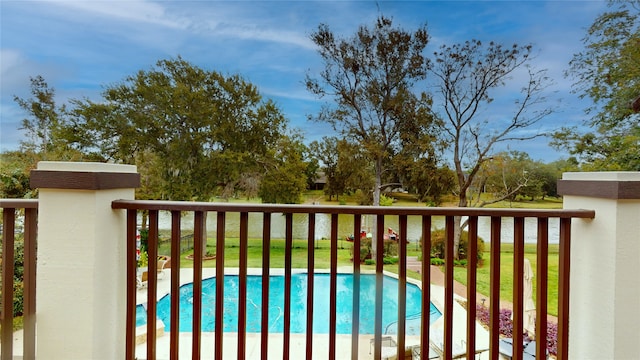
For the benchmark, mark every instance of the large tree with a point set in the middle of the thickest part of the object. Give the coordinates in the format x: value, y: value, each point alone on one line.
x: 205, y: 133
x: 346, y: 169
x: 47, y: 137
x: 467, y: 78
x: 370, y: 78
x: 607, y: 71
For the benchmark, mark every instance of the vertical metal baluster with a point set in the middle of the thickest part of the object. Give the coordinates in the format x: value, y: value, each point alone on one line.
x: 448, y: 287
x: 198, y: 254
x: 287, y: 285
x: 242, y: 283
x: 494, y: 292
x: 377, y: 351
x: 266, y: 257
x: 542, y: 275
x: 518, y: 286
x: 174, y: 316
x: 29, y: 280
x: 333, y: 286
x: 220, y: 240
x: 355, y: 330
x: 310, y: 282
x: 402, y: 285
x: 472, y: 265
x: 563, y: 288
x: 8, y: 254
x: 426, y: 286
x: 152, y: 283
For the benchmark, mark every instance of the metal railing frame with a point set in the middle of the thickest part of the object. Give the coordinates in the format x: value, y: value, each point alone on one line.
x: 221, y: 209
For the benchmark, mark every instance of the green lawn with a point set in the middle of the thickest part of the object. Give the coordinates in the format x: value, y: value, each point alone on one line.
x: 506, y: 274
x: 299, y: 255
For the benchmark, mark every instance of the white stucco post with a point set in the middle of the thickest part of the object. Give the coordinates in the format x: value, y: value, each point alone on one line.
x: 81, y: 272
x: 604, y: 319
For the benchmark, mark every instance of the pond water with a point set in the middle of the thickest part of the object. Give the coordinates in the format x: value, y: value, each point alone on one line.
x: 345, y: 226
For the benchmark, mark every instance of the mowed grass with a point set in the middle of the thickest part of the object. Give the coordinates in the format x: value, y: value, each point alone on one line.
x: 322, y: 249
x: 506, y: 274
x: 299, y: 255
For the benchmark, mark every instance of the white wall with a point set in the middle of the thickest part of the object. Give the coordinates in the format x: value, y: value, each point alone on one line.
x: 81, y: 275
x: 604, y: 320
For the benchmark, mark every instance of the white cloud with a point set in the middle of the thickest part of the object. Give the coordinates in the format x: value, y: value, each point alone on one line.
x: 131, y: 11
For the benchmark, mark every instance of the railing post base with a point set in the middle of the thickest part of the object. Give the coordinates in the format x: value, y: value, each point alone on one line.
x: 604, y: 319
x: 81, y: 276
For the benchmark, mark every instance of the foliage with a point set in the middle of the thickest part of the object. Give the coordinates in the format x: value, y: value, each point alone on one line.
x: 284, y: 182
x: 144, y: 239
x: 386, y: 201
x: 607, y: 72
x: 344, y: 164
x: 506, y: 327
x: 46, y: 138
x: 438, y: 245
x: 208, y: 132
x: 428, y: 181
x: 467, y: 76
x: 437, y: 261
x: 143, y: 260
x: 18, y: 277
x: 14, y: 176
x: 390, y: 250
x: 370, y: 78
x: 509, y: 175
x: 43, y: 125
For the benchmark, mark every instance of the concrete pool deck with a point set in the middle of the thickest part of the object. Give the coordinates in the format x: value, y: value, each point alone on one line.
x: 298, y: 341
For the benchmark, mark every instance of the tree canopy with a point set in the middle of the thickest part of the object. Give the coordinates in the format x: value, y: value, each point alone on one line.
x: 607, y: 71
x: 467, y: 77
x: 203, y: 133
x: 370, y: 77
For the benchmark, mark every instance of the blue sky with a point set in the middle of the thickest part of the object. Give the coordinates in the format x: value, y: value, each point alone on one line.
x: 81, y: 46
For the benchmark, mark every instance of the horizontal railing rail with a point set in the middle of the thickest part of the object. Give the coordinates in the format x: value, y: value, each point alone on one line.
x: 12, y: 210
x: 426, y: 215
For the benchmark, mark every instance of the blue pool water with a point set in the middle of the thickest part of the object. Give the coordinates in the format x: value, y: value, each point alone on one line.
x: 298, y: 305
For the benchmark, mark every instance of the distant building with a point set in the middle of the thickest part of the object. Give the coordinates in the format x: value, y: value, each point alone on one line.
x: 321, y: 181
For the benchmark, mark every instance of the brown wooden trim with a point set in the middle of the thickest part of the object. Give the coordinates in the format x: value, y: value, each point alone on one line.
x: 8, y: 253
x: 18, y: 203
x: 600, y: 189
x: 81, y: 180
x: 352, y: 210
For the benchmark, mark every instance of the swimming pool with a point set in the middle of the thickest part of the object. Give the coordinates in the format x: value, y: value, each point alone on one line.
x: 298, y: 304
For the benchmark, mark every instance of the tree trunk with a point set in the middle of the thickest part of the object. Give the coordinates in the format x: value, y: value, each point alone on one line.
x: 376, y: 202
x: 457, y: 223
x: 457, y: 233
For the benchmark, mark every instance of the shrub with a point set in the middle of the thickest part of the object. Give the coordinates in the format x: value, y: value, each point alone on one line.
x: 390, y: 260
x: 386, y: 201
x: 506, y: 327
x: 437, y: 261
x: 438, y: 245
x: 462, y: 262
